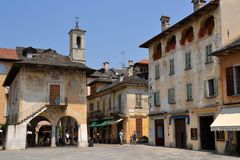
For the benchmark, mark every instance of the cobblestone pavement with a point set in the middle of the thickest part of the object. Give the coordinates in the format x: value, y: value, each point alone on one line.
x: 111, y: 152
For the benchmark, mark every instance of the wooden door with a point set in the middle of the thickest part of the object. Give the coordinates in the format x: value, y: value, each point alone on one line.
x: 139, y: 126
x: 159, y: 132
x: 206, y: 135
x: 180, y: 133
x: 54, y: 94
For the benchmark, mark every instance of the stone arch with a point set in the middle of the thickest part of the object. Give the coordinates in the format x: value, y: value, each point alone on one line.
x: 157, y: 52
x: 171, y: 43
x: 187, y: 35
x: 38, y: 131
x: 206, y: 26
x: 67, y: 131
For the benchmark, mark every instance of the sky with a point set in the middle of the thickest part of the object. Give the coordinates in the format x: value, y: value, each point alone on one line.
x: 115, y: 28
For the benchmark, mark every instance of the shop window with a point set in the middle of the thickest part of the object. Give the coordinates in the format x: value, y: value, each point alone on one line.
x: 220, y: 136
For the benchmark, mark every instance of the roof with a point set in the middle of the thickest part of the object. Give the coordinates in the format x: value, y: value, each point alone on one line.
x: 144, y: 61
x: 233, y: 46
x: 8, y: 54
x: 134, y: 79
x: 208, y: 7
x: 102, y: 79
x: 41, y: 58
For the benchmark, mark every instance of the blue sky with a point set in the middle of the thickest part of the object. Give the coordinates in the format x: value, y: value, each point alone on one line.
x: 115, y: 28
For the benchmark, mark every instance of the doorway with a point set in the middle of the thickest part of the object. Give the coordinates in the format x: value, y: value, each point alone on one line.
x: 238, y: 142
x: 159, y: 132
x: 207, y: 137
x: 180, y: 133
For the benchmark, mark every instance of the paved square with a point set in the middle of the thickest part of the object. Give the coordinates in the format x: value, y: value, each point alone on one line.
x: 111, y: 152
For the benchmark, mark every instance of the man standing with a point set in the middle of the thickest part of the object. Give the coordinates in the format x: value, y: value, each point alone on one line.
x: 121, y: 137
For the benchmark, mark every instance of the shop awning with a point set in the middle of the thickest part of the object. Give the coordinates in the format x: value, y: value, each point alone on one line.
x: 100, y: 124
x: 227, y: 120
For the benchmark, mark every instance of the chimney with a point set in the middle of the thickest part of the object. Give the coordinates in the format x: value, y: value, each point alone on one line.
x: 197, y: 4
x: 106, y: 66
x: 165, y: 20
x: 130, y: 71
x: 130, y: 63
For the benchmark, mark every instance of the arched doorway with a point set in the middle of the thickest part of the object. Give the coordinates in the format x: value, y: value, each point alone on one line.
x: 67, y: 132
x: 39, y: 132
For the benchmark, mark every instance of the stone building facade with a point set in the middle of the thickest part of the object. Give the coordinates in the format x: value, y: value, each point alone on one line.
x: 47, y: 97
x: 119, y: 102
x: 184, y: 77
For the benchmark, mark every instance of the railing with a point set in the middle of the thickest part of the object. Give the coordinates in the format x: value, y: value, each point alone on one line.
x: 27, y: 113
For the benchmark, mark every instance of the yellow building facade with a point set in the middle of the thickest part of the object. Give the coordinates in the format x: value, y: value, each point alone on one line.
x: 118, y: 105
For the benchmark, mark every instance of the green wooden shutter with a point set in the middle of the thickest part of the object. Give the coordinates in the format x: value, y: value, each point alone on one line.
x: 206, y: 88
x: 215, y: 82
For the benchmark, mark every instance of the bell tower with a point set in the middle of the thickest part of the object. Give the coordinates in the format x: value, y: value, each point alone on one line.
x: 77, y: 44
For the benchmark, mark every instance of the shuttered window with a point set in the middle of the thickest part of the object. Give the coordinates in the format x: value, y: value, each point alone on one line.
x: 188, y: 63
x: 157, y: 99
x: 230, y: 81
x: 189, y: 92
x: 237, y: 79
x: 171, y: 96
x: 233, y: 80
x: 211, y: 88
x: 138, y: 101
x: 120, y: 103
x: 208, y: 53
x: 171, y: 70
x: 157, y: 71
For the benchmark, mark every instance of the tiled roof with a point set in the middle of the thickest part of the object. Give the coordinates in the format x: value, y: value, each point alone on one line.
x: 144, y: 61
x: 8, y: 54
x: 134, y: 79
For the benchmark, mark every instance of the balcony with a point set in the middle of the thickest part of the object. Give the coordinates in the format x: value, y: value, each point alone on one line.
x: 56, y: 103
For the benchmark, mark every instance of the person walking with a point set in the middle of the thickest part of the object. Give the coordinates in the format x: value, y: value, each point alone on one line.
x: 134, y: 138
x: 121, y: 137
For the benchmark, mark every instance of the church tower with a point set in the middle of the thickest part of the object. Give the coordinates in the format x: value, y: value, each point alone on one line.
x: 77, y: 44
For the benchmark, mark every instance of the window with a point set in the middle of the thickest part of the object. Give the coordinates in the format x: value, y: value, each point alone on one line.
x: 138, y: 101
x: 3, y: 69
x: 157, y: 71
x: 54, y: 94
x: 171, y: 71
x: 91, y: 109
x: 233, y: 80
x: 211, y: 88
x: 98, y: 106
x: 189, y: 92
x: 78, y: 42
x: 157, y: 99
x: 104, y: 106
x: 220, y: 136
x: 171, y: 96
x: 120, y: 103
x: 188, y: 63
x: 139, y: 126
x: 109, y: 103
x: 208, y: 53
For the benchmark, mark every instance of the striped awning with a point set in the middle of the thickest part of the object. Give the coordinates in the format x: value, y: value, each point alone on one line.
x: 227, y: 120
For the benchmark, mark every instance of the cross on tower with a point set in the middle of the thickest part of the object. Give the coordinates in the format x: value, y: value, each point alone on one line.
x: 77, y: 22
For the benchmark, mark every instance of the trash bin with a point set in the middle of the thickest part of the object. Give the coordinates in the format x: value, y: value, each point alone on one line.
x: 90, y: 142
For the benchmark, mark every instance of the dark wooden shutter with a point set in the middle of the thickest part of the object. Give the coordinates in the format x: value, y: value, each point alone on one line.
x: 54, y: 94
x: 230, y: 81
x: 139, y: 126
